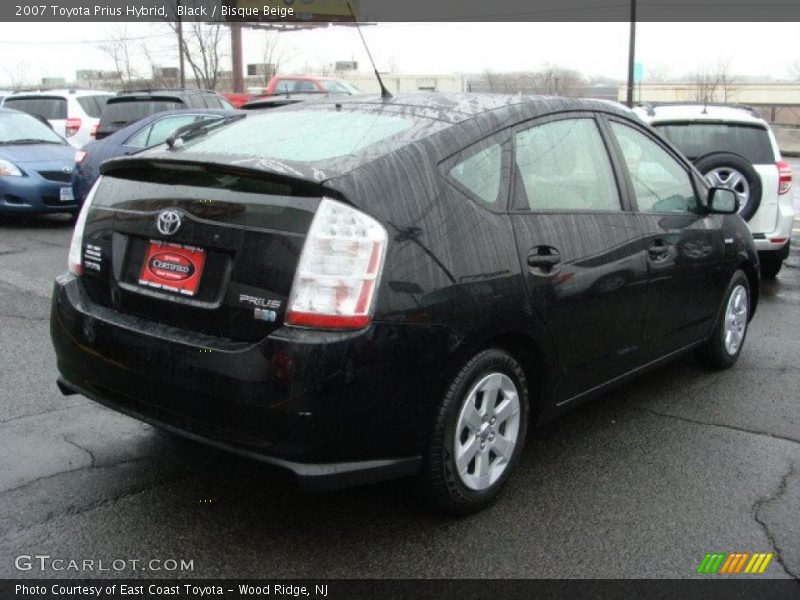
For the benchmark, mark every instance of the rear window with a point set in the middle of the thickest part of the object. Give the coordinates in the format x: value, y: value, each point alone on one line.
x: 93, y: 105
x: 52, y: 108
x: 121, y: 112
x: 698, y: 139
x: 309, y: 135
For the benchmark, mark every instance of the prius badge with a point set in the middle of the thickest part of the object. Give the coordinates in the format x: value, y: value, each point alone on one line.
x: 168, y: 221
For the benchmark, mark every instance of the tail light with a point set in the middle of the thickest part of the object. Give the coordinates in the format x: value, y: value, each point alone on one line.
x: 785, y: 177
x: 93, y: 131
x: 79, y: 156
x: 75, y: 261
x: 72, y: 126
x: 338, y: 271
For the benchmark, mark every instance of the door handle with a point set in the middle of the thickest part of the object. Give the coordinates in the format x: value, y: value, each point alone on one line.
x: 543, y: 257
x: 658, y: 250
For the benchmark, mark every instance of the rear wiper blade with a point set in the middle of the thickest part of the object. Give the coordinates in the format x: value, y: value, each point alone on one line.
x: 22, y: 141
x: 198, y: 128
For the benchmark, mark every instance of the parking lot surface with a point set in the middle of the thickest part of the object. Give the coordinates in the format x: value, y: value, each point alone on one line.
x: 642, y: 482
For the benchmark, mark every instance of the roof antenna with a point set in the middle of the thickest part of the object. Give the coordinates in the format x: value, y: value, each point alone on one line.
x: 385, y: 94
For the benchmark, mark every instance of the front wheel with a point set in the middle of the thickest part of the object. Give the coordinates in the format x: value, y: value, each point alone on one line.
x: 479, y: 433
x: 722, y: 349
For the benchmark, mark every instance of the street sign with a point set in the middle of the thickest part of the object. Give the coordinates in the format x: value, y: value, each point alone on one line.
x: 638, y: 72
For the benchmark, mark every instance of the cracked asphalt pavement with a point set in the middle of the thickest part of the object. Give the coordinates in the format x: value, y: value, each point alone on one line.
x: 641, y: 482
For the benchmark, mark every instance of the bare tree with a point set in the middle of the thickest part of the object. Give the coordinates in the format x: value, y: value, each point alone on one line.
x: 725, y: 79
x: 704, y: 86
x: 713, y: 84
x: 17, y: 74
x: 271, y: 54
x: 120, y: 50
x: 657, y: 74
x: 794, y: 71
x: 204, y: 50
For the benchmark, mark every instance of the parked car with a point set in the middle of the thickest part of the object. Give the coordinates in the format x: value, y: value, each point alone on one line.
x: 72, y: 113
x: 145, y: 133
x: 357, y: 289
x: 35, y: 166
x: 290, y: 84
x: 734, y: 147
x: 128, y: 107
x: 3, y: 94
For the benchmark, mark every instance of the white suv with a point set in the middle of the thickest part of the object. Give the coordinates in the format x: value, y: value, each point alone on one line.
x: 734, y: 147
x: 72, y: 113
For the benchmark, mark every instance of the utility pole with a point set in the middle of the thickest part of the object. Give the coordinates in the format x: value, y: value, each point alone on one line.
x: 236, y: 57
x: 182, y: 69
x: 631, y: 54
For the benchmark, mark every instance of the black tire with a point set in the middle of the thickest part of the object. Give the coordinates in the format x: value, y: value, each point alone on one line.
x: 713, y: 353
x: 441, y: 480
x: 721, y: 160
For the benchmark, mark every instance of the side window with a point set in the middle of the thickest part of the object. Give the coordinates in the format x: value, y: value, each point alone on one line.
x: 158, y: 132
x: 482, y: 174
x: 564, y: 165
x: 284, y: 85
x: 304, y: 86
x: 660, y: 182
x: 164, y: 127
x: 139, y: 139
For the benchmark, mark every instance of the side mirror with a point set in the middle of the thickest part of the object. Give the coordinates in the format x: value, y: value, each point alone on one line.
x: 722, y: 201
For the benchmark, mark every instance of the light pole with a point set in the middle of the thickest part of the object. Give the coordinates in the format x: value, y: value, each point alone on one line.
x: 631, y: 54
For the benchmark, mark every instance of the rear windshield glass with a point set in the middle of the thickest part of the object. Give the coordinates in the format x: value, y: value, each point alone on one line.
x: 119, y: 113
x: 52, y: 108
x: 307, y: 135
x: 698, y: 139
x: 93, y: 105
x: 22, y: 128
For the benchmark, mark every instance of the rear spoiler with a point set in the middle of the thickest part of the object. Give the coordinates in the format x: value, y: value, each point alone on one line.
x: 158, y: 169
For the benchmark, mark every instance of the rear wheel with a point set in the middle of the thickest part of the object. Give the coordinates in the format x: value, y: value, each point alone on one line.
x: 770, y: 267
x: 722, y: 349
x: 479, y: 433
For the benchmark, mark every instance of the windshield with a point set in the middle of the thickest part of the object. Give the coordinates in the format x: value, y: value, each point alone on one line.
x: 120, y: 113
x: 306, y: 135
x: 341, y: 87
x: 52, y: 108
x: 698, y: 139
x: 21, y: 128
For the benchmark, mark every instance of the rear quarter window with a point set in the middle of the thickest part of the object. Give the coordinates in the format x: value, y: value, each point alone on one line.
x: 696, y: 140
x: 93, y: 105
x: 52, y: 108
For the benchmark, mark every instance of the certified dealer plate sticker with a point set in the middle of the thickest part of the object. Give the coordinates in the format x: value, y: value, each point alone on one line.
x: 172, y: 267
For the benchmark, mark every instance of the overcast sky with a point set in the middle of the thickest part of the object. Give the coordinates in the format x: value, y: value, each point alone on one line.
x: 596, y: 49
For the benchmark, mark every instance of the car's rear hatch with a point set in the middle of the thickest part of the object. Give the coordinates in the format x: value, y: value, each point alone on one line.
x: 52, y: 108
x: 120, y: 111
x: 207, y: 248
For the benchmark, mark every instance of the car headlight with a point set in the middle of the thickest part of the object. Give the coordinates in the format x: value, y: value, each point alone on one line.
x: 9, y: 169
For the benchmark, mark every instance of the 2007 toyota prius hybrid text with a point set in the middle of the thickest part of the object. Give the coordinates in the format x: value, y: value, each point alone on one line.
x: 364, y: 288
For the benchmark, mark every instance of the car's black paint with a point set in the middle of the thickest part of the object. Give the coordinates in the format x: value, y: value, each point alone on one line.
x: 629, y: 290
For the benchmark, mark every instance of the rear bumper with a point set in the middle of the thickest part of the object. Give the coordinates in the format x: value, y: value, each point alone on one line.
x: 311, y: 476
x: 33, y: 195
x: 333, y: 409
x: 783, y: 228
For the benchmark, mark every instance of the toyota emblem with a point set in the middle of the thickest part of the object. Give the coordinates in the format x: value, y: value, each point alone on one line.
x: 67, y: 170
x: 168, y: 221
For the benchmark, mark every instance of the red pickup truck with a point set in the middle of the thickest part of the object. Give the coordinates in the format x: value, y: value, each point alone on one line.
x: 293, y: 84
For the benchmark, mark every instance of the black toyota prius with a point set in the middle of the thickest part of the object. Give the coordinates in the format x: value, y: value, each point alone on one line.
x: 366, y: 288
